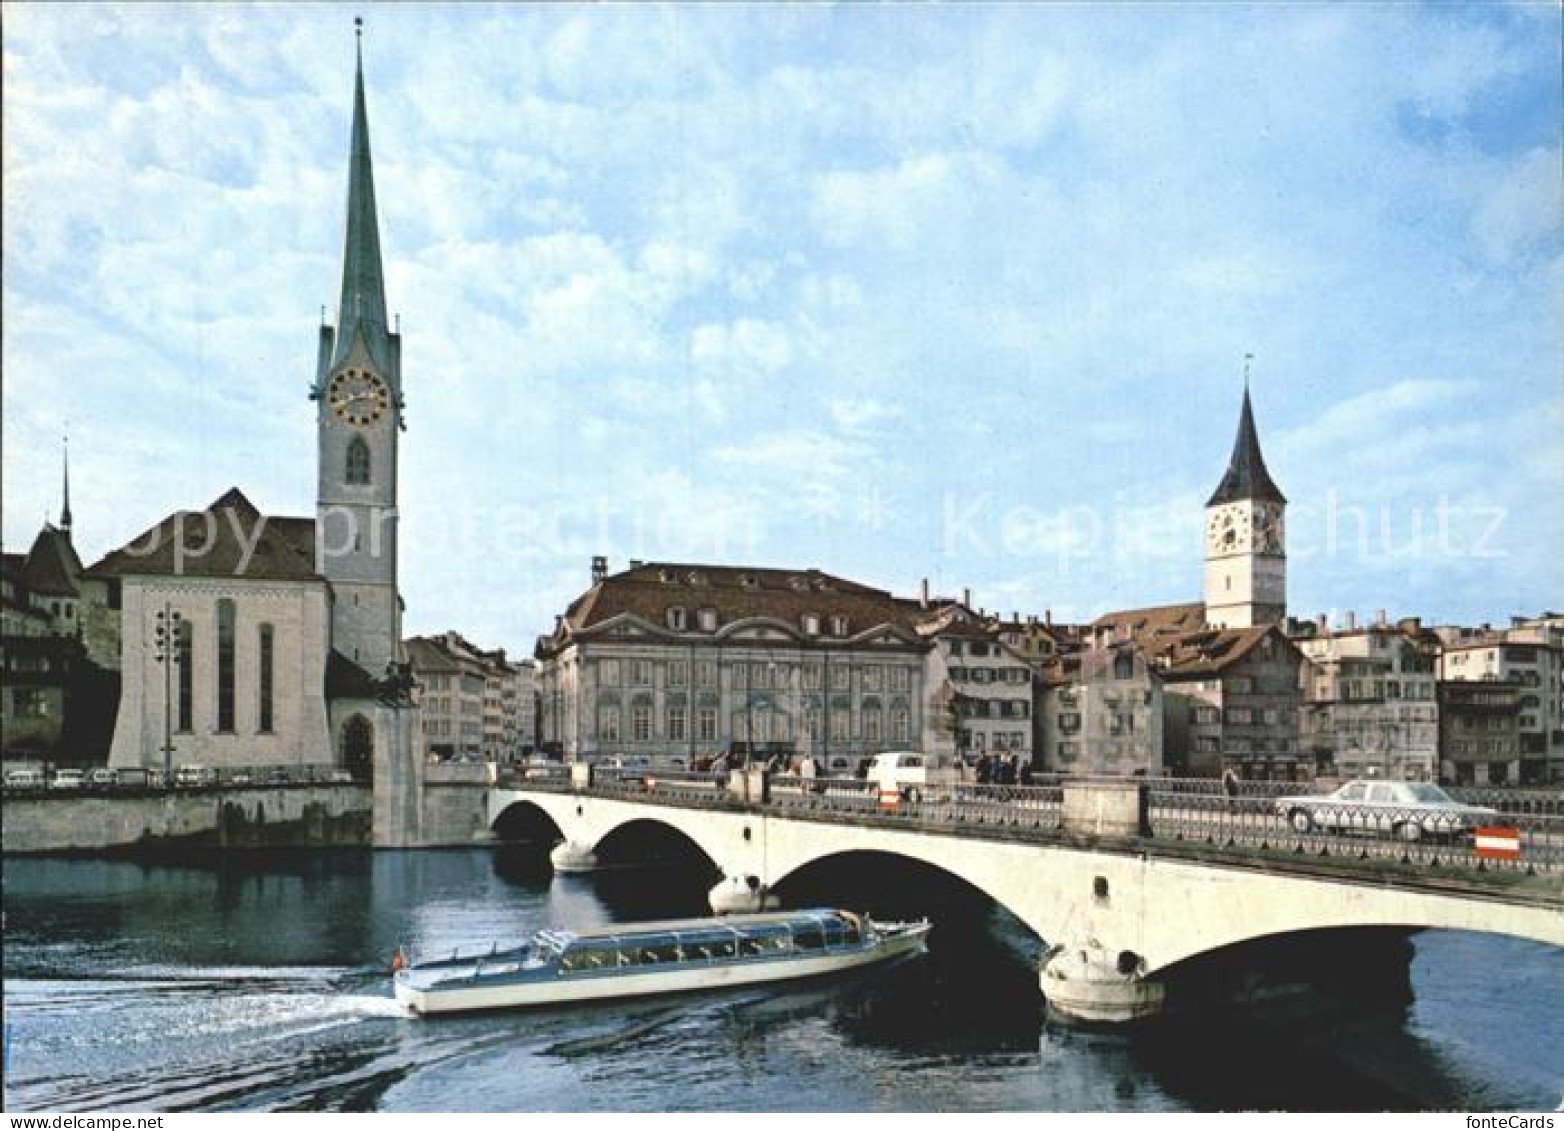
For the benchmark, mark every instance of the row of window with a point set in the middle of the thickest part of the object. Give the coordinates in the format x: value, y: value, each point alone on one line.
x: 994, y: 709
x: 759, y: 725
x: 991, y: 675
x: 706, y: 620
x: 755, y: 674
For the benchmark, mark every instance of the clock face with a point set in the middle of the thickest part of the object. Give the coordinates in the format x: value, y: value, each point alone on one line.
x: 358, y: 397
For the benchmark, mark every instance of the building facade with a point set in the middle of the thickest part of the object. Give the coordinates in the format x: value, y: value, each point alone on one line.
x: 1528, y: 656
x: 1369, y: 705
x: 1100, y: 711
x: 475, y: 703
x: 1479, y: 732
x: 680, y: 663
x: 981, y: 697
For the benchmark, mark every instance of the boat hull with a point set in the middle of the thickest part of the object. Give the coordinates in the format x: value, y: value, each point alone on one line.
x: 671, y: 979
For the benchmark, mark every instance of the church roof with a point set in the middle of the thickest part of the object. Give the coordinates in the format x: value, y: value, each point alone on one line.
x: 362, y: 306
x: 1246, y: 476
x: 346, y: 680
x: 230, y: 538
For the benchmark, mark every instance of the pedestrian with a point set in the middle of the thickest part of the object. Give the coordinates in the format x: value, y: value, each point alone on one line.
x: 1230, y: 788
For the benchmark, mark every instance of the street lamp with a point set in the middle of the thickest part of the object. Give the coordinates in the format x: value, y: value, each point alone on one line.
x: 165, y: 650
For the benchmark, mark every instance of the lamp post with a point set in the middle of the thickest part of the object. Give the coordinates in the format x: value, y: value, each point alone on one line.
x: 165, y: 650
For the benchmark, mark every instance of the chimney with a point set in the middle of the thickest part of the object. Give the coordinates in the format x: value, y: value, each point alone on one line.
x: 1379, y: 618
x: 966, y: 597
x: 1323, y: 621
x: 1352, y: 620
x: 1016, y: 617
x: 599, y: 569
x: 1048, y: 617
x: 923, y: 594
x: 636, y: 563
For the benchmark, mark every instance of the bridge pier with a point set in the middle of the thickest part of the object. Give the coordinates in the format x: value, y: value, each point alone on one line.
x: 1088, y: 982
x: 738, y: 893
x: 573, y: 856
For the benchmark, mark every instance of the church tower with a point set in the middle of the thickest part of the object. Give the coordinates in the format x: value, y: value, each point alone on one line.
x: 358, y: 394
x: 1246, y: 559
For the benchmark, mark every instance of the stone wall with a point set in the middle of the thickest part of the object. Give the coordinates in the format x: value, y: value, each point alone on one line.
x: 291, y: 817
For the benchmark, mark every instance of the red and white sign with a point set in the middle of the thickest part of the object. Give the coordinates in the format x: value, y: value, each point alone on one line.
x: 889, y: 796
x: 1494, y: 843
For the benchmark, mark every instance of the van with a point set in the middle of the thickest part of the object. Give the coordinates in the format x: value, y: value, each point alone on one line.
x: 101, y: 777
x: 24, y: 779
x: 913, y: 774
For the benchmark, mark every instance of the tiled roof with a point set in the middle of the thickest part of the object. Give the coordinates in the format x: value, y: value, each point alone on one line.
x: 1208, y: 651
x: 52, y: 568
x: 736, y: 593
x: 1155, y: 620
x: 216, y: 544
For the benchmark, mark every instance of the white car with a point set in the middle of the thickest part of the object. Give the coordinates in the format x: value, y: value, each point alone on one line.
x: 102, y: 777
x: 68, y: 779
x: 1409, y: 810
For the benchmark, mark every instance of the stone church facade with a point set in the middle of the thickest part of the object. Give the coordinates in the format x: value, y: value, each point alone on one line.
x: 249, y: 639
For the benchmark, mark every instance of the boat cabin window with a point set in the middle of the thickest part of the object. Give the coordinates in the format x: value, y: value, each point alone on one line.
x: 808, y: 936
x: 667, y: 952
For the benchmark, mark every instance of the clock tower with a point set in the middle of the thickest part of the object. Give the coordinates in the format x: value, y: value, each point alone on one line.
x: 1246, y: 559
x: 358, y: 395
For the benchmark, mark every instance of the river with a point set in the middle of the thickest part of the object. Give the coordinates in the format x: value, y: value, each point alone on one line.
x: 258, y: 983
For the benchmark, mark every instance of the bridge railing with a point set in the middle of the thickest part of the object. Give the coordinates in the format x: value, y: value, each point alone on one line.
x: 1408, y: 835
x: 1192, y: 811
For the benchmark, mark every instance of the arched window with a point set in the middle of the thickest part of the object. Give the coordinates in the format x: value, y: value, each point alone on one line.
x: 358, y: 461
x: 266, y: 646
x: 358, y: 745
x: 225, y: 665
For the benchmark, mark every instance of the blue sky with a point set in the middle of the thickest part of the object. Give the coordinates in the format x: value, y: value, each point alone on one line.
x: 960, y: 292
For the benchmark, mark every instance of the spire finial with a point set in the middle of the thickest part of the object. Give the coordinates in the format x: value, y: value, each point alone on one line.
x: 65, y: 467
x: 1248, y: 357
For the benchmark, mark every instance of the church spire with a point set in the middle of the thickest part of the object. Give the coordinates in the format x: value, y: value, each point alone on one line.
x: 362, y: 308
x: 1246, y: 476
x: 65, y: 467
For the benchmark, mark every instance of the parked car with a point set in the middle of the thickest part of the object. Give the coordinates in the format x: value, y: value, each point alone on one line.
x: 277, y: 775
x: 101, y: 777
x: 339, y: 777
x: 1409, y: 810
x: 240, y: 777
x: 68, y: 779
x: 24, y: 779
x: 913, y: 773
x: 192, y: 776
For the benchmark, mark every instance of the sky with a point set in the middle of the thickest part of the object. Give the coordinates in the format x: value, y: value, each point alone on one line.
x: 897, y: 292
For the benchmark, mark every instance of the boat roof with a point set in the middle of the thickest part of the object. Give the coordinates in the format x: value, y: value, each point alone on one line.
x: 735, y: 924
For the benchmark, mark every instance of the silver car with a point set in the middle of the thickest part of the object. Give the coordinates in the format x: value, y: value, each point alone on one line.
x: 1408, y: 810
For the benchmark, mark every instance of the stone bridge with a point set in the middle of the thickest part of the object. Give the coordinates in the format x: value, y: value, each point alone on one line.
x: 1116, y: 907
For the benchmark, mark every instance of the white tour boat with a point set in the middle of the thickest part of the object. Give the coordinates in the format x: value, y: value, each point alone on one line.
x: 638, y: 959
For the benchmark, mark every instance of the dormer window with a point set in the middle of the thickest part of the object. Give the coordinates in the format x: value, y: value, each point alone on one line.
x: 695, y: 577
x: 667, y: 576
x: 708, y: 620
x: 798, y: 584
x: 838, y: 626
x: 811, y: 624
x: 676, y: 618
x: 749, y: 581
